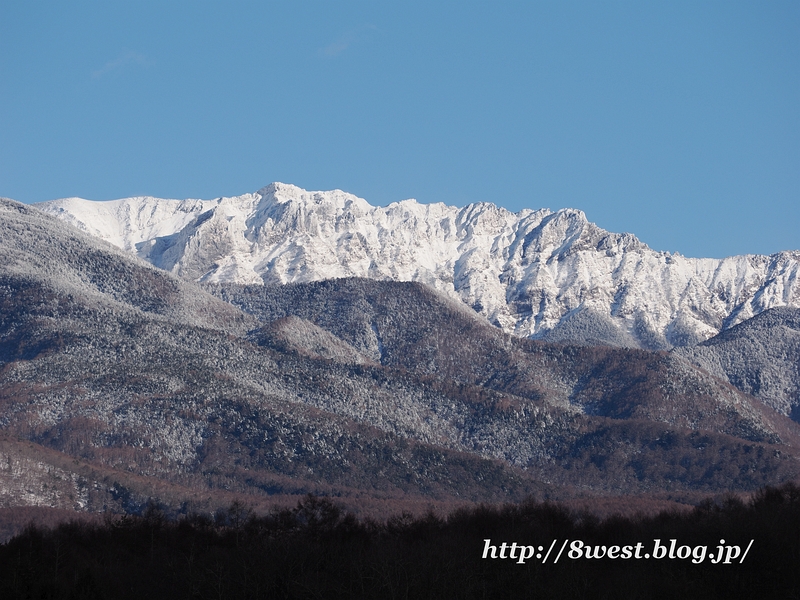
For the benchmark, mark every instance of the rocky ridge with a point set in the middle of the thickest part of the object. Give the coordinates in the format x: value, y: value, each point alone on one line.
x: 535, y: 273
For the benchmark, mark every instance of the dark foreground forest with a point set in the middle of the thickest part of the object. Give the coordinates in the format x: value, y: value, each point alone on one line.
x: 316, y: 550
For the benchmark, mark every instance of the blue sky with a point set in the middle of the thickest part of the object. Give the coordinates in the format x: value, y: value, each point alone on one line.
x: 676, y: 121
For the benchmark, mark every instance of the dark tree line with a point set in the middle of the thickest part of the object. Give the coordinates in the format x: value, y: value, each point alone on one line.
x: 317, y: 550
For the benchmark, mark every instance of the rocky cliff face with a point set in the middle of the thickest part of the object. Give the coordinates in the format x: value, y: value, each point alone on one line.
x: 540, y: 274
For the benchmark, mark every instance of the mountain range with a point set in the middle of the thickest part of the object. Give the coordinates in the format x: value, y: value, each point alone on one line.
x: 535, y: 273
x: 286, y: 342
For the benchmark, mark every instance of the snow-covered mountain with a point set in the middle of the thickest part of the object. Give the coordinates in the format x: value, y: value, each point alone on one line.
x: 122, y: 383
x: 544, y: 274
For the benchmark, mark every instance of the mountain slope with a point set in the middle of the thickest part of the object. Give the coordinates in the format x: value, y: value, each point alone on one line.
x: 534, y: 273
x: 411, y: 327
x: 88, y: 273
x: 760, y: 357
x: 164, y: 388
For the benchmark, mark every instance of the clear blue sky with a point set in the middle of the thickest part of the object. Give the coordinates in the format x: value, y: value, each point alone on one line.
x: 676, y: 121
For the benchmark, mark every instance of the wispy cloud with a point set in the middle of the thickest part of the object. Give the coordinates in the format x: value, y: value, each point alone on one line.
x: 345, y: 41
x: 129, y: 58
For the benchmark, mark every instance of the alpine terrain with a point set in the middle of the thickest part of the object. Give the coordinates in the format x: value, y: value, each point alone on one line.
x: 263, y: 347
